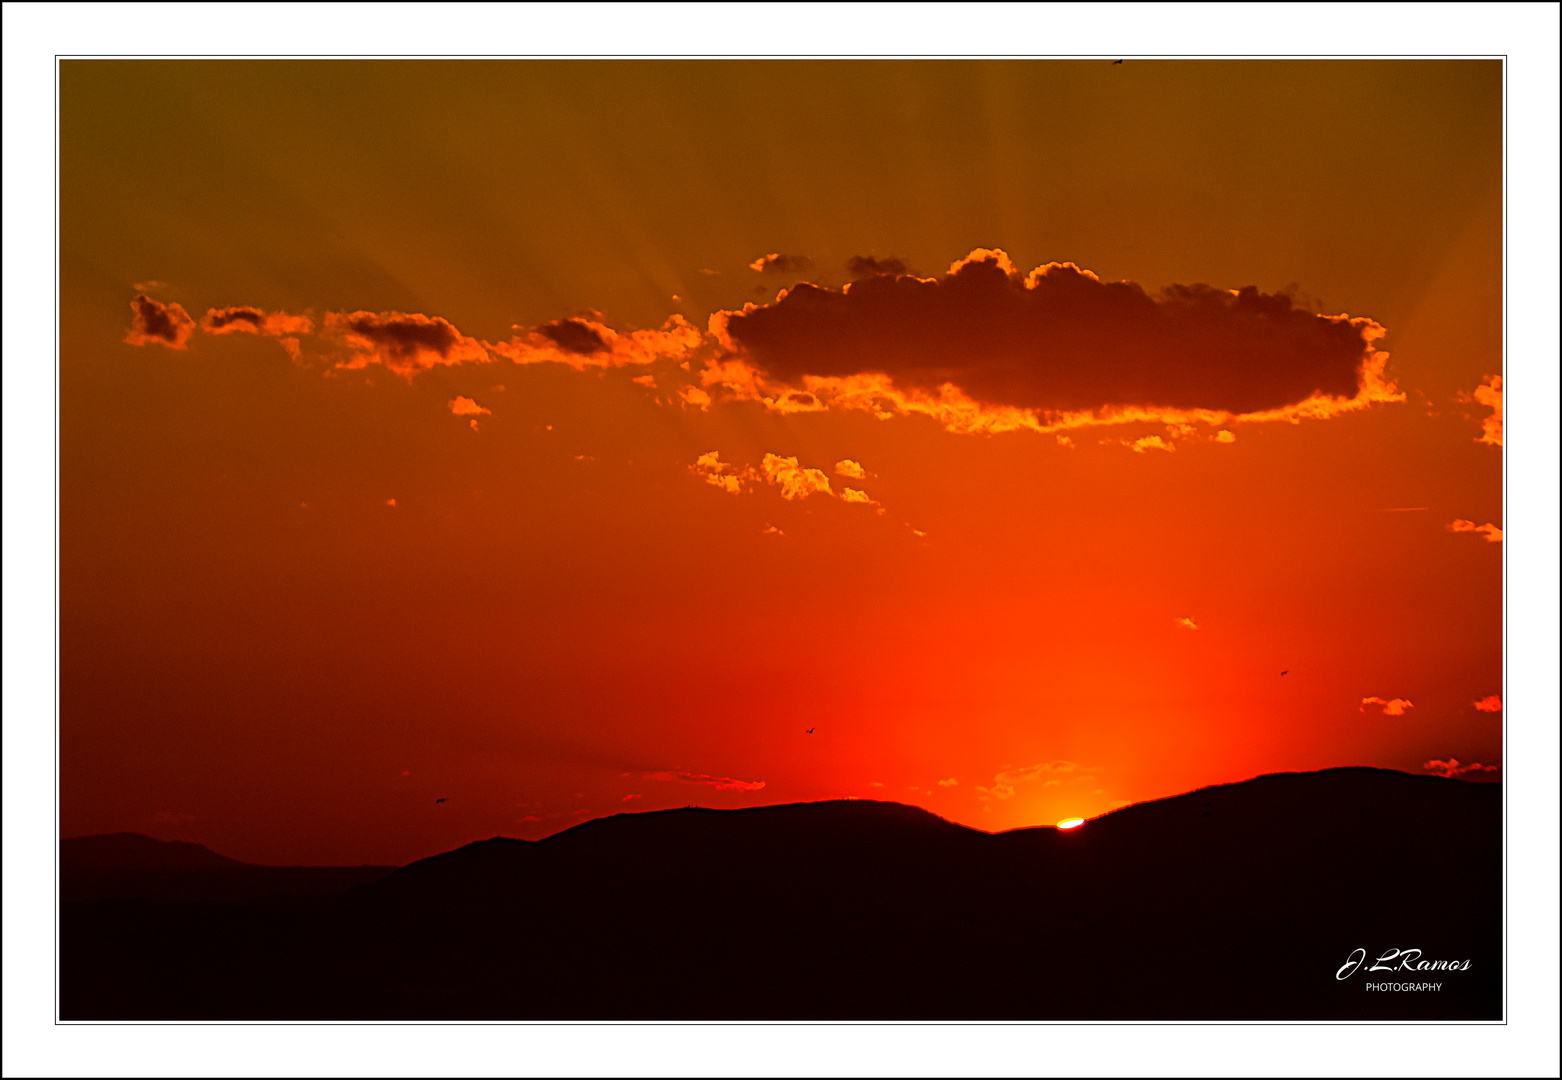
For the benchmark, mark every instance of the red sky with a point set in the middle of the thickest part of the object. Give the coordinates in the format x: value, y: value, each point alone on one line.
x: 416, y: 442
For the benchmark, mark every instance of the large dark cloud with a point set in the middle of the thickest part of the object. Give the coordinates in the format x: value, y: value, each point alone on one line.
x: 161, y: 324
x: 573, y: 336
x: 1059, y: 339
x: 866, y: 266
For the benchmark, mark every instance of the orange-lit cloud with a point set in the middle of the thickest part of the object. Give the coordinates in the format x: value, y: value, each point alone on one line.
x: 252, y: 320
x: 1187, y: 623
x: 693, y: 395
x: 153, y: 323
x: 730, y: 478
x: 850, y: 468
x: 1451, y: 768
x: 720, y: 783
x: 852, y: 495
x: 951, y: 782
x: 1391, y: 707
x: 586, y: 343
x: 465, y: 406
x: 1493, y: 533
x: 795, y: 481
x: 1005, y: 782
x: 867, y: 266
x: 776, y: 263
x: 403, y: 343
x: 1489, y: 393
x: 1225, y: 436
x: 1059, y: 342
x: 1489, y: 704
x: 1149, y: 442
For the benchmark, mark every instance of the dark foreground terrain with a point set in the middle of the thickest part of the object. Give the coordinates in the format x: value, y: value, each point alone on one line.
x: 1234, y: 902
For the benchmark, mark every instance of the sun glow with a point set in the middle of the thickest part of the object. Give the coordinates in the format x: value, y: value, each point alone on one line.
x: 1071, y: 823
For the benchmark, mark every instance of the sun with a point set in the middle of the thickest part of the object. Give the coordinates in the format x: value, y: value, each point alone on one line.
x: 1071, y: 823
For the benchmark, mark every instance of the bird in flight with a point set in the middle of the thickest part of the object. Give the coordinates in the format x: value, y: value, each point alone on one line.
x: 439, y: 800
x: 1285, y: 672
x: 810, y: 731
x: 1117, y: 61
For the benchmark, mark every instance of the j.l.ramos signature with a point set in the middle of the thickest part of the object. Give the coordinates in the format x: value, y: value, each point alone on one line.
x: 1408, y: 960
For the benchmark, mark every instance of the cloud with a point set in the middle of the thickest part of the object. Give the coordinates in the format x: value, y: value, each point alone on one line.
x: 465, y: 406
x: 986, y: 349
x: 853, y: 469
x: 168, y: 325
x: 1392, y: 707
x: 860, y: 266
x: 1489, y: 704
x: 951, y: 782
x: 1493, y: 534
x: 852, y: 495
x: 693, y: 395
x: 1489, y: 393
x: 795, y: 481
x: 587, y: 343
x: 1451, y: 768
x: 720, y: 783
x: 627, y: 798
x: 730, y: 478
x: 1225, y: 436
x: 776, y: 263
x: 1187, y: 623
x: 403, y: 343
x: 1005, y: 782
x: 1149, y: 442
x: 252, y: 320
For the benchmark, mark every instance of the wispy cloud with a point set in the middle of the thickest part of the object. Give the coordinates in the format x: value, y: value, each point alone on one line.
x: 1391, y: 706
x: 720, y: 783
x: 1489, y: 704
x: 1451, y: 768
x: 1493, y: 533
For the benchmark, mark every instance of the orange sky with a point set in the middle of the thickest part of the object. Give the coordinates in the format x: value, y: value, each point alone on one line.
x: 388, y: 395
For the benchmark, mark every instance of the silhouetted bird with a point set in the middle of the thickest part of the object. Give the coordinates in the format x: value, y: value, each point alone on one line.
x: 439, y: 800
x: 1117, y: 61
x: 1285, y: 673
x: 810, y: 731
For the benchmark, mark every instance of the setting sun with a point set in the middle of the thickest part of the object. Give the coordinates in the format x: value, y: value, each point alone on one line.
x: 1071, y: 823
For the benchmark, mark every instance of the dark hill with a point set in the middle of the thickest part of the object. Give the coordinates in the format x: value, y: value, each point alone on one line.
x: 1234, y: 902
x: 129, y: 866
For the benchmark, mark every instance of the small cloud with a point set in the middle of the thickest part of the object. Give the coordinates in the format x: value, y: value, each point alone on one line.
x: 390, y: 502
x: 1225, y: 436
x: 168, y: 325
x: 530, y: 817
x: 1005, y: 782
x: 1187, y: 623
x: 1064, y: 440
x: 852, y: 495
x: 771, y: 530
x: 149, y: 286
x: 951, y: 782
x: 710, y: 468
x: 406, y: 343
x: 1489, y: 393
x: 645, y: 380
x: 1489, y: 704
x: 874, y: 783
x: 709, y: 272
x: 693, y: 395
x: 860, y: 266
x: 795, y: 481
x: 252, y: 320
x: 1451, y: 768
x: 574, y: 336
x: 915, y: 531
x: 720, y: 783
x: 465, y: 406
x: 1149, y: 442
x: 1493, y: 534
x: 853, y: 469
x: 1391, y: 707
x: 627, y: 798
x: 776, y: 263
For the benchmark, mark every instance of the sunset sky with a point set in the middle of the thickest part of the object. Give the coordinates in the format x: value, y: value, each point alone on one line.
x: 561, y: 438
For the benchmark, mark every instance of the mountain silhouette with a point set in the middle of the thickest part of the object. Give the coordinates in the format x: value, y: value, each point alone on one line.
x: 128, y: 866
x: 1242, y: 901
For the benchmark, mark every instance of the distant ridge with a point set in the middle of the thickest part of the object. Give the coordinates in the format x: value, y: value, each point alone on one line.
x: 1242, y: 901
x: 129, y: 866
